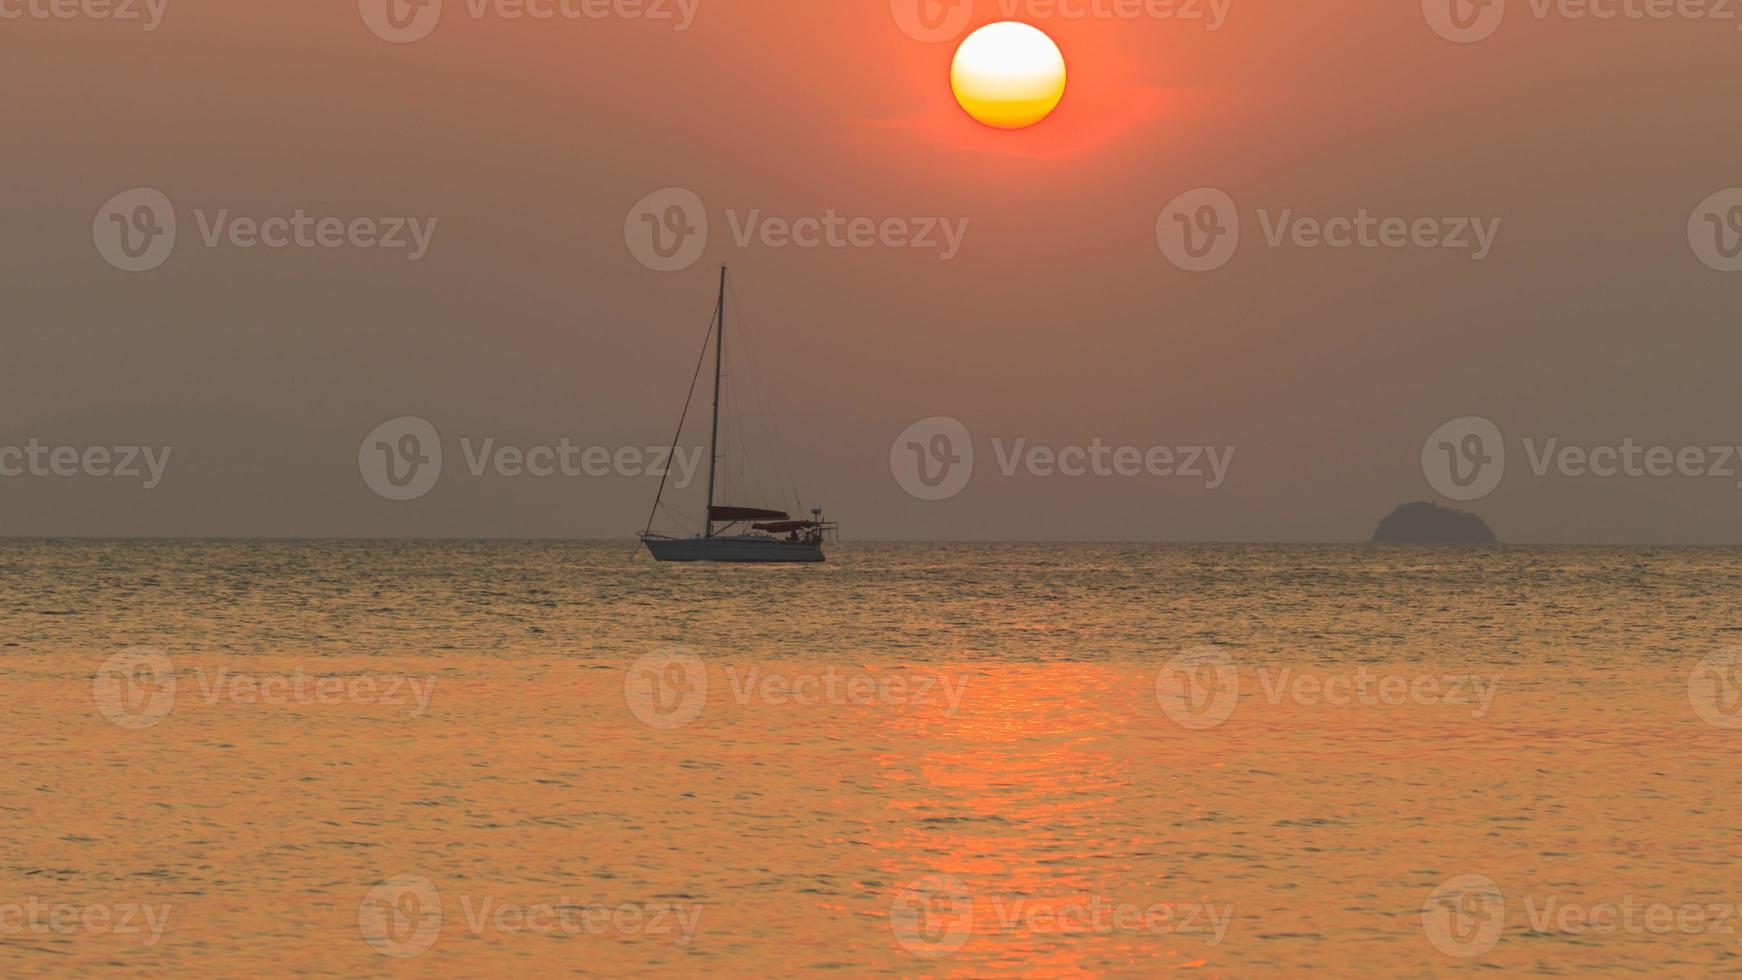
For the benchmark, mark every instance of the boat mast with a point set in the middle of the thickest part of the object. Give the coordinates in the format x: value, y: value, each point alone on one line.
x: 714, y: 436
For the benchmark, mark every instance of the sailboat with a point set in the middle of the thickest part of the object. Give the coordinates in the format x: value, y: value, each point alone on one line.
x: 732, y: 533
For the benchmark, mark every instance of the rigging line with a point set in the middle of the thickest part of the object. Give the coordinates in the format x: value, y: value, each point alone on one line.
x: 674, y: 512
x: 678, y: 436
x: 750, y: 479
x: 733, y: 483
x: 746, y: 486
x: 775, y: 435
x: 681, y: 516
x: 685, y: 521
x: 746, y: 489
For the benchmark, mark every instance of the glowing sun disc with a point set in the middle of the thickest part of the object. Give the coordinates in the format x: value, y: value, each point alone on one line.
x: 1008, y: 75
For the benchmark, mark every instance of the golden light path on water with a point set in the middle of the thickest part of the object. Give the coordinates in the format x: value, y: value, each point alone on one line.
x: 1039, y: 813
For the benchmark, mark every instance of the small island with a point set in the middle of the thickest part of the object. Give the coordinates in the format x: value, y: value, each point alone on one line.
x: 1428, y: 523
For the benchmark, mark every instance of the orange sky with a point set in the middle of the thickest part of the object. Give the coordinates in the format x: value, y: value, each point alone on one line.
x: 1059, y: 321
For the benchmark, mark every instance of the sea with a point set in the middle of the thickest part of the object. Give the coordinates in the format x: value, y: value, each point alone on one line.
x: 458, y: 759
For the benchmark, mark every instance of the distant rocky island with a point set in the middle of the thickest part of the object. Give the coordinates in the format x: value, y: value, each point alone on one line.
x: 1428, y: 523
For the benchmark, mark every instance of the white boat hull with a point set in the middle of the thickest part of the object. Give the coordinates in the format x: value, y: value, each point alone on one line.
x: 748, y: 548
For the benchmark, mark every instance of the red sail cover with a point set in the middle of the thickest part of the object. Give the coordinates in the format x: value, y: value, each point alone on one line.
x: 746, y: 514
x: 782, y: 527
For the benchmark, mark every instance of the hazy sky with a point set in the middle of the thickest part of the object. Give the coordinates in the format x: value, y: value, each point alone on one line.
x: 1584, y: 147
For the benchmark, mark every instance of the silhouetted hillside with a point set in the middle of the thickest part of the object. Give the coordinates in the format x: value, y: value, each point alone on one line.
x: 1427, y: 523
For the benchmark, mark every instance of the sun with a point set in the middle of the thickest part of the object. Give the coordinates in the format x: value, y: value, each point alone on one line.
x: 1008, y: 75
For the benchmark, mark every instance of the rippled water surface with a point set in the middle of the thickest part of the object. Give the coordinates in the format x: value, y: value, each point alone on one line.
x: 469, y: 759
